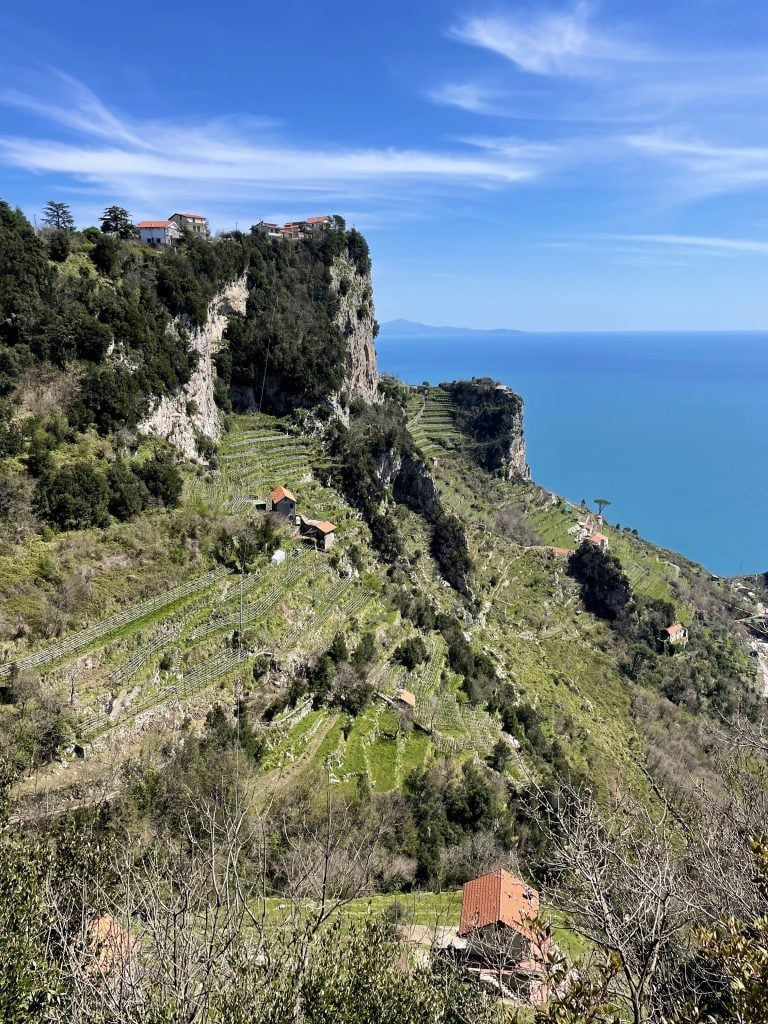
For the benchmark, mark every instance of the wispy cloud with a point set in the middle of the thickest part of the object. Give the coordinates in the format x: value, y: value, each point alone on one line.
x: 154, y: 160
x: 708, y: 168
x: 691, y: 244
x: 471, y: 96
x: 562, y: 42
x: 659, y: 248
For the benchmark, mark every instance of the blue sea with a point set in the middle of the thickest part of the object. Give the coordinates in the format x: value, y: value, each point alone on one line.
x: 670, y: 427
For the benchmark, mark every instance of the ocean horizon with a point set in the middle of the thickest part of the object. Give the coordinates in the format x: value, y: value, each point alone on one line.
x: 669, y: 426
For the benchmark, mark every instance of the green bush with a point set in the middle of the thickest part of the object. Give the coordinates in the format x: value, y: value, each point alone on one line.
x: 605, y: 589
x: 411, y: 652
x: 73, y: 497
x: 128, y: 493
x: 162, y: 478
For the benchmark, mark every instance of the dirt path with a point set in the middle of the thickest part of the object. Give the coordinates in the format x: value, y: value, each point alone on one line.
x: 279, y: 779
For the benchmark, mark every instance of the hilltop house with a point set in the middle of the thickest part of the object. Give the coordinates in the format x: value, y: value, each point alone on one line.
x: 283, y: 502
x: 503, y: 947
x: 320, y: 531
x: 158, y: 232
x: 271, y: 230
x: 599, y: 540
x: 293, y: 230
x: 192, y: 222
x: 675, y: 634
x: 316, y: 225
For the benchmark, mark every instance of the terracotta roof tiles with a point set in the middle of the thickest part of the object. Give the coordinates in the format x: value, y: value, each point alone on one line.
x: 498, y: 898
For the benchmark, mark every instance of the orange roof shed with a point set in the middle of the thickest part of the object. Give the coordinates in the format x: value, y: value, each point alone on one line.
x: 498, y: 898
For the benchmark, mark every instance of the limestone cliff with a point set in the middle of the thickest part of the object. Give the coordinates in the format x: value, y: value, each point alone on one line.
x: 183, y: 417
x: 491, y: 414
x: 516, y: 459
x: 356, y: 321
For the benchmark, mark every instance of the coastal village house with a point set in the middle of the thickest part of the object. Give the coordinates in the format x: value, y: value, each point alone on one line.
x: 283, y: 502
x: 296, y: 229
x: 599, y: 540
x: 319, y: 531
x: 158, y: 232
x: 192, y: 222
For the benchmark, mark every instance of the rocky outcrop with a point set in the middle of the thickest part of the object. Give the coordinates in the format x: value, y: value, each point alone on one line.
x: 516, y: 461
x: 182, y: 418
x: 491, y: 414
x: 357, y: 324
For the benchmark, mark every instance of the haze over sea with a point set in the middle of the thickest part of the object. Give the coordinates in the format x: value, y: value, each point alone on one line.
x: 670, y: 427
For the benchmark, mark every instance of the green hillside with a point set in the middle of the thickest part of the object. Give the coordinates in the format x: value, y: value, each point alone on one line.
x: 189, y: 678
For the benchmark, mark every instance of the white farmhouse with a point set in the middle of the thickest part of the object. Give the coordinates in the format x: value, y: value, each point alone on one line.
x: 158, y: 232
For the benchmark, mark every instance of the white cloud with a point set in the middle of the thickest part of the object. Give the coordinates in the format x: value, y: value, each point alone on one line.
x: 551, y: 43
x: 708, y: 168
x: 471, y: 96
x: 153, y: 161
x: 690, y: 244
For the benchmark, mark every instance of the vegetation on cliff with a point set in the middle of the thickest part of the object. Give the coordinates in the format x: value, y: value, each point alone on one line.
x: 265, y: 741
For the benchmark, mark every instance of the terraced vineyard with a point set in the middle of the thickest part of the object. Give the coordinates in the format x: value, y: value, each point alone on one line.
x: 431, y: 423
x: 100, y: 632
x: 253, y: 458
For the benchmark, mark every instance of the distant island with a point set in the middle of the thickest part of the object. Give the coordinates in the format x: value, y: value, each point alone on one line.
x: 407, y: 328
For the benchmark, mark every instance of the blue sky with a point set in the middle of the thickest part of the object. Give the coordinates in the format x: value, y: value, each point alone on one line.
x: 549, y: 166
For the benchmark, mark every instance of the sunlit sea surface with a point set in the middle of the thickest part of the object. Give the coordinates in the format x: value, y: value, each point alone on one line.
x: 670, y: 427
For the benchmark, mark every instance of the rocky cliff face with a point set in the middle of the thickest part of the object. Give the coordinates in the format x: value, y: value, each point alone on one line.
x: 356, y: 322
x: 411, y: 483
x: 492, y: 415
x: 183, y: 417
x: 516, y: 461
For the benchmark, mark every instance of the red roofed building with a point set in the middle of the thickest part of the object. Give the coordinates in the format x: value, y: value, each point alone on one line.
x: 497, y: 914
x: 405, y: 699
x: 158, y: 232
x: 320, y: 531
x: 675, y: 634
x: 283, y: 502
x: 600, y: 540
x: 498, y: 898
x: 316, y: 225
x: 195, y: 223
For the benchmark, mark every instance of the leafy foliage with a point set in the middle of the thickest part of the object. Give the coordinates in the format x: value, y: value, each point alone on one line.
x: 287, y: 350
x: 58, y: 216
x: 605, y: 589
x: 490, y: 415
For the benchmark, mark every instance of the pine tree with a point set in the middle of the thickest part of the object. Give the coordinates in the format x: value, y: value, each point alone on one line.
x: 59, y: 216
x: 117, y: 221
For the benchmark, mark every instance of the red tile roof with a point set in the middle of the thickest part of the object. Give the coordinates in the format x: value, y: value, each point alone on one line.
x: 406, y: 697
x: 191, y: 216
x: 153, y: 223
x: 674, y: 629
x: 323, y: 525
x: 562, y: 551
x: 498, y: 898
x: 597, y: 538
x: 316, y: 220
x: 280, y: 493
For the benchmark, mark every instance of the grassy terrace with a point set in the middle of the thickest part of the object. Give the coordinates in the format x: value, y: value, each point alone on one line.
x: 430, y: 421
x: 172, y: 649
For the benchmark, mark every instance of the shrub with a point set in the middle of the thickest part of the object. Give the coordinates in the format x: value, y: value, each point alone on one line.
x: 59, y: 246
x: 605, y: 590
x: 411, y: 652
x: 73, y: 497
x: 129, y: 494
x: 162, y: 478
